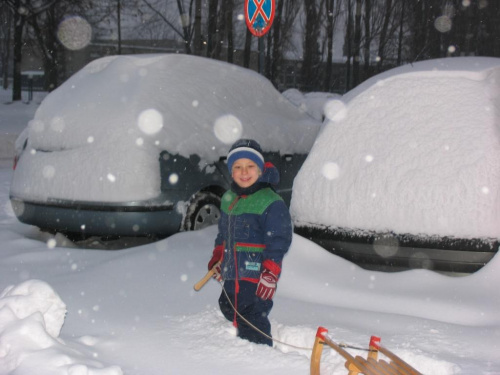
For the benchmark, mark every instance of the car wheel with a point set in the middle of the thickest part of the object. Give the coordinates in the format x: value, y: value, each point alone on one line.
x: 203, y: 211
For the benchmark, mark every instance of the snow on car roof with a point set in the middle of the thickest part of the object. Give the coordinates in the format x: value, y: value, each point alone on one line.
x: 196, y: 100
x: 414, y: 150
x: 106, y: 125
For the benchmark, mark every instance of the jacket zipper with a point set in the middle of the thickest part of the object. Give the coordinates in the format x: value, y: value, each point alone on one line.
x: 232, y: 206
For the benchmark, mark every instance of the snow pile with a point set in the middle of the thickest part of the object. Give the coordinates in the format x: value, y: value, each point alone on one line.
x: 31, y: 318
x: 415, y: 150
x: 98, y: 136
x: 311, y: 102
x: 421, y: 293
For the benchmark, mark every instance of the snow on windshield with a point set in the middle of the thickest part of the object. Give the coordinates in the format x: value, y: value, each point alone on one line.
x: 414, y: 150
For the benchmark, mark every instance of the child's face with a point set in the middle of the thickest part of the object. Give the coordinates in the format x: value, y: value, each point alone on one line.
x: 245, y: 172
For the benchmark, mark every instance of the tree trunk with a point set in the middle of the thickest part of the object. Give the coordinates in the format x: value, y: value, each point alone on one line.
x: 229, y: 10
x: 6, y: 50
x: 248, y: 49
x: 329, y: 35
x: 119, y: 24
x: 435, y: 49
x: 269, y: 46
x: 186, y: 32
x: 383, y: 34
x: 311, y: 58
x: 368, y: 40
x: 19, y: 21
x: 348, y: 47
x: 47, y: 42
x: 198, y: 42
x: 220, y: 32
x: 418, y: 42
x: 400, y: 37
x: 357, y: 44
x: 276, y: 55
x: 212, y: 27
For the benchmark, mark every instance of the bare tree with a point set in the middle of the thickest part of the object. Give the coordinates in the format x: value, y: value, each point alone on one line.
x: 229, y: 29
x: 185, y: 18
x: 357, y: 44
x: 330, y: 27
x: 45, y: 27
x: 401, y: 32
x: 311, y: 57
x: 248, y: 49
x: 474, y: 28
x: 186, y: 29
x: 5, y: 42
x: 384, y: 32
x: 20, y: 14
x: 347, y: 50
x: 198, y: 40
x: 212, y: 28
x: 333, y: 13
x: 425, y: 38
x: 367, y: 38
x: 31, y: 13
x: 277, y: 56
x: 225, y: 30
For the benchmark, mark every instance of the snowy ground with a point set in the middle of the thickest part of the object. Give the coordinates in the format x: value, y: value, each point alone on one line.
x: 134, y: 311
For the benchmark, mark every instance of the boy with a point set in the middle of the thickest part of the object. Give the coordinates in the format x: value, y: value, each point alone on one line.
x: 255, y: 232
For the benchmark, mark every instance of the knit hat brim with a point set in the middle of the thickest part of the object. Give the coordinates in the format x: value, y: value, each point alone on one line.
x: 245, y: 153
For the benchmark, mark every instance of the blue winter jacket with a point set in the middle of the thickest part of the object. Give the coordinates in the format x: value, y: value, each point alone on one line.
x: 253, y: 229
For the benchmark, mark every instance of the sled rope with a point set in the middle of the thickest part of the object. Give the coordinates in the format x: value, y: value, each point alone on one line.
x: 342, y: 345
x: 210, y: 274
x: 257, y: 329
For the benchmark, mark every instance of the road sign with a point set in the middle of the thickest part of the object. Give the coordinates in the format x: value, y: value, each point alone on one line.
x: 259, y: 16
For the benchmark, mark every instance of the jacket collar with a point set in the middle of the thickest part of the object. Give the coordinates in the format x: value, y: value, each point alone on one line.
x: 269, y: 177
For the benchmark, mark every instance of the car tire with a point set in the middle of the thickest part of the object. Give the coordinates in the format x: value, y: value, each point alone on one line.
x: 203, y: 211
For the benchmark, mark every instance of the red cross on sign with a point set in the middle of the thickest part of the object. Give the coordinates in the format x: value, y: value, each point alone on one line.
x: 259, y: 16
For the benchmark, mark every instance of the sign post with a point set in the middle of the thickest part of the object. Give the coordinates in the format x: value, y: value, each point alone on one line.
x: 259, y: 16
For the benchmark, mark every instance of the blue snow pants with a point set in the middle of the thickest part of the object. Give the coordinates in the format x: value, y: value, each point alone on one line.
x: 254, y: 309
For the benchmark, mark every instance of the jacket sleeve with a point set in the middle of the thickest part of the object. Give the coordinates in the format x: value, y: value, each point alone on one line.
x: 219, y: 240
x: 278, y: 231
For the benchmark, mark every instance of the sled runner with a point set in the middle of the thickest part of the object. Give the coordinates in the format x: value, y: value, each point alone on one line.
x: 358, y: 365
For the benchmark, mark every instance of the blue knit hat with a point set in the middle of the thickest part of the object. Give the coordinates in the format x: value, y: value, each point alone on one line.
x: 245, y: 149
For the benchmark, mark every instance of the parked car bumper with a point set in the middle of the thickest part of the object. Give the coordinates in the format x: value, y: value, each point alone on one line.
x: 101, y: 219
x: 390, y: 252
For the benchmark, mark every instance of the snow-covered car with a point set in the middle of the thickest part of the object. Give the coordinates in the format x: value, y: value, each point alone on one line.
x: 136, y: 145
x: 406, y: 171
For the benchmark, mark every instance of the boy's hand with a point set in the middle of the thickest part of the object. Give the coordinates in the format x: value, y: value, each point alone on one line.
x: 216, y: 257
x: 267, y: 285
x: 217, y: 272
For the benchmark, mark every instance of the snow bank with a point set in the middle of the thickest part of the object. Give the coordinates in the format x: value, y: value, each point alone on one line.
x: 31, y: 318
x: 415, y: 150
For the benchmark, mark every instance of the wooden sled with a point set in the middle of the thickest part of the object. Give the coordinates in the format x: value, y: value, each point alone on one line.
x: 358, y: 365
